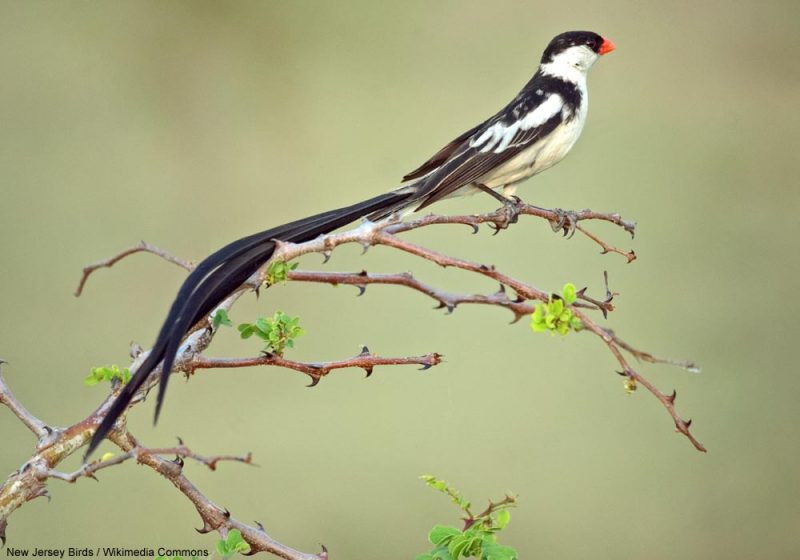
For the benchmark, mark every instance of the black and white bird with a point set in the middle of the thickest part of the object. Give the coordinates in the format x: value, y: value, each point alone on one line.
x: 530, y: 134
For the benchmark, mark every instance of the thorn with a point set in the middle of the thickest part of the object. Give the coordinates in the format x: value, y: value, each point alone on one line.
x: 622, y: 373
x: 260, y: 526
x: 475, y: 228
x: 364, y: 351
x: 450, y: 308
x: 426, y: 366
x: 257, y: 291
x: 441, y: 305
x: 314, y: 380
x: 326, y: 256
x: 671, y: 398
x: 362, y: 288
x: 688, y: 423
x: 3, y: 525
x: 501, y: 290
x: 226, y: 514
x: 178, y: 461
x: 517, y: 317
x: 324, y: 554
x: 206, y: 528
x: 368, y: 369
x: 631, y: 256
x: 180, y: 440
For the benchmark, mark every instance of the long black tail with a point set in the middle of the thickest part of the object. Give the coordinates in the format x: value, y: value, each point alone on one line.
x: 214, y: 279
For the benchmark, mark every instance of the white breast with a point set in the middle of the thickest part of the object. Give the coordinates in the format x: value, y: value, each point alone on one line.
x: 541, y: 155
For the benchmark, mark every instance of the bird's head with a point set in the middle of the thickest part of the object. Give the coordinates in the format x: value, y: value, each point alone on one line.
x: 574, y: 51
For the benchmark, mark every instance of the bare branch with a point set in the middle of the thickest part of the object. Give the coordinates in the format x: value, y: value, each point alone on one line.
x: 446, y: 300
x: 630, y: 255
x: 88, y: 469
x: 39, y: 428
x: 142, y: 247
x: 316, y: 370
x: 214, y: 518
x: 668, y: 401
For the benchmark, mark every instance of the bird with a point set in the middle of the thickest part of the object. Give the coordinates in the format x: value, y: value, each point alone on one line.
x: 530, y: 134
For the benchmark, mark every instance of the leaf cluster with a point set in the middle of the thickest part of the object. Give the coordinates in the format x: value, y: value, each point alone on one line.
x: 278, y: 271
x: 479, y: 537
x: 556, y: 315
x: 232, y: 544
x: 107, y: 373
x: 278, y: 331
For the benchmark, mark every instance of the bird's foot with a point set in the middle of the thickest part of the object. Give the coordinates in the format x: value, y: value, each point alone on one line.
x: 566, y: 221
x: 508, y: 214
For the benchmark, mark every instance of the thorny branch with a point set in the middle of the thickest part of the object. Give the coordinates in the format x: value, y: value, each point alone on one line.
x: 56, y: 444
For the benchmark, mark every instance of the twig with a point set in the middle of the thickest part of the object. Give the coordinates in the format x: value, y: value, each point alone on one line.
x: 505, y: 503
x: 630, y: 255
x: 39, y: 428
x: 214, y: 518
x: 446, y: 300
x: 142, y: 247
x: 668, y: 401
x: 316, y: 370
x: 88, y: 469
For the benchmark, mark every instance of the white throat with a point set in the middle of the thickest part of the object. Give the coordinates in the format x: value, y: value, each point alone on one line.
x: 571, y: 65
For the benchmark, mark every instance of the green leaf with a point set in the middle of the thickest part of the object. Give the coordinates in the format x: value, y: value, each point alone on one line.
x: 457, y: 546
x: 246, y: 330
x: 503, y: 517
x: 263, y: 325
x: 441, y: 553
x: 221, y: 318
x: 91, y: 380
x: 222, y: 548
x: 569, y: 293
x: 556, y: 307
x: 441, y: 534
x: 498, y: 552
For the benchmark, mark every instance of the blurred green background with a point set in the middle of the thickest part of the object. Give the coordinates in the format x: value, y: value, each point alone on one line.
x: 189, y: 124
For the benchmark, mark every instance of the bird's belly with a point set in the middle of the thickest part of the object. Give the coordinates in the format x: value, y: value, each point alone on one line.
x: 537, y: 157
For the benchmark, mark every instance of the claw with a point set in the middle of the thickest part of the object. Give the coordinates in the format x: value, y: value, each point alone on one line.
x: 509, y: 214
x: 567, y: 221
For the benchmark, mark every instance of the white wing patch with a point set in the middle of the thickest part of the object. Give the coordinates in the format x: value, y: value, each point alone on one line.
x: 498, y: 136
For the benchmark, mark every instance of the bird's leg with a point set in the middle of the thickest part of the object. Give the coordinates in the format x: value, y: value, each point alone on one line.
x: 510, y: 208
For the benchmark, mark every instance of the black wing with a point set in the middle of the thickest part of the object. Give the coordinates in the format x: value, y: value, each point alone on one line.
x: 442, y: 155
x: 470, y: 164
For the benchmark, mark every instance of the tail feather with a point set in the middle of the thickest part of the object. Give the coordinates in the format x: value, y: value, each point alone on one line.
x: 215, y: 278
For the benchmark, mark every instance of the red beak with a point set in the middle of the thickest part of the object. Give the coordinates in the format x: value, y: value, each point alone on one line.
x: 606, y: 47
